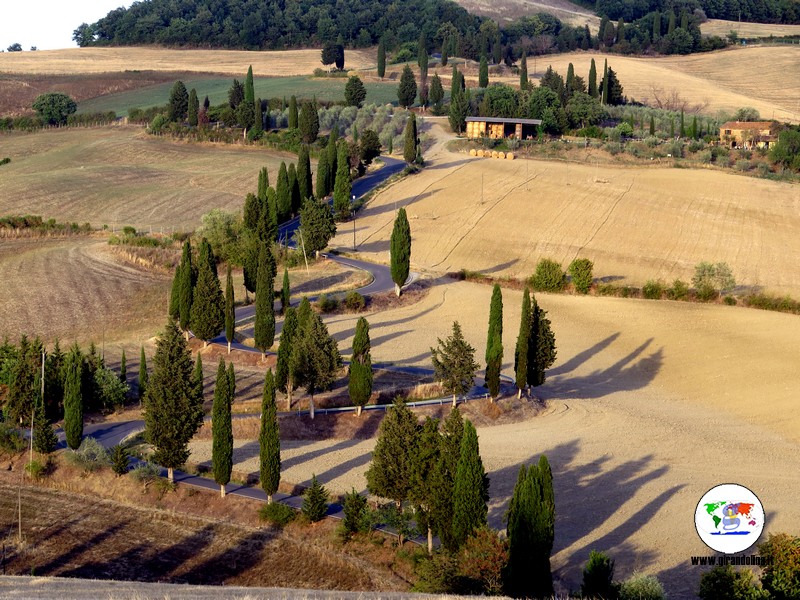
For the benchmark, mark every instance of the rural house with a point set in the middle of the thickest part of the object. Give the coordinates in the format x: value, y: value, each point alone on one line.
x: 497, y: 128
x: 748, y: 134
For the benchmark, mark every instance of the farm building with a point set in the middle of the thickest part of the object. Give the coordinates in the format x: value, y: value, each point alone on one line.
x: 752, y: 134
x: 497, y: 128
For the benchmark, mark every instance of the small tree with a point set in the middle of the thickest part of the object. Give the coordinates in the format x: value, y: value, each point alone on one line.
x: 523, y: 71
x: 354, y: 92
x: 523, y: 339
x: 309, y: 122
x: 369, y: 147
x: 285, y: 291
x: 284, y: 194
x: 269, y: 440
x: 471, y: 488
x: 483, y: 72
x: 484, y: 559
x: 315, y: 356
x: 459, y: 107
x: 142, y: 375
x: 230, y: 310
x: 178, y: 104
x: 494, y: 343
x: 222, y: 429
x: 343, y: 185
x: 390, y: 473
x: 322, y: 176
x: 381, y: 58
x: 549, y: 277
x: 411, y: 141
x: 541, y: 345
x: 407, y: 90
x: 710, y: 279
x: 44, y: 438
x: 317, y: 226
x: 123, y: 368
x: 193, y: 107
x: 360, y: 370
x: 208, y: 305
x: 73, y: 398
x: 437, y: 93
x: 400, y: 250
x: 454, y: 363
x: 598, y: 577
x: 580, y: 270
x: 264, y: 329
x: 355, y: 508
x: 54, y: 108
x: 293, y: 115
x: 315, y: 501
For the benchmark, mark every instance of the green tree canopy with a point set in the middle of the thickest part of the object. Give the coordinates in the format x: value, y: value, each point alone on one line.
x: 354, y: 92
x: 407, y: 90
x: 178, y: 104
x: 471, y: 488
x: 400, y: 250
x: 54, y: 108
x: 390, y: 474
x: 317, y: 226
x: 222, y: 428
x: 269, y: 440
x: 454, y: 363
x: 360, y: 370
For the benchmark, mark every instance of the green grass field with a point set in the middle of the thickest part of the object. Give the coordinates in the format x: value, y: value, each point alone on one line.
x: 216, y: 89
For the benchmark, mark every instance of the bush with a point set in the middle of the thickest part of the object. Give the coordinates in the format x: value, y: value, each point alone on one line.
x: 598, y: 577
x: 145, y: 472
x: 653, y: 290
x: 549, y: 277
x: 580, y: 270
x: 354, y: 301
x: 278, y: 514
x: 11, y: 440
x: 483, y: 560
x: 437, y: 574
x: 118, y: 455
x: 641, y: 587
x: 678, y: 291
x: 327, y: 304
x: 158, y: 123
x: 781, y: 576
x: 675, y: 149
x: 727, y: 583
x: 355, y: 505
x: 5, y: 161
x: 613, y: 148
x: 90, y: 456
x: 742, y: 165
x: 35, y: 469
x: 706, y: 293
x: 729, y: 300
x: 767, y: 302
x: 129, y: 231
x: 315, y: 501
x: 717, y: 277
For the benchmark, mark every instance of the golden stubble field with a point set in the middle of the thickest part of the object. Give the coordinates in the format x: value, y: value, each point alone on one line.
x: 502, y: 217
x: 722, y: 28
x: 277, y: 63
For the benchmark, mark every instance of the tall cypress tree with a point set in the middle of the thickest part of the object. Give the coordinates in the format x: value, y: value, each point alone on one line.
x: 175, y: 294
x: 304, y: 173
x: 222, y: 429
x: 45, y: 439
x: 284, y: 375
x: 604, y: 98
x: 208, y: 307
x: 483, y: 72
x: 541, y: 345
x: 343, y: 185
x: 360, y: 371
x: 123, y: 368
x: 230, y: 310
x: 494, y: 343
x: 683, y: 126
x: 424, y: 486
x: 521, y: 350
x: 186, y: 288
x: 381, y: 58
x: 592, y: 88
x: 251, y: 213
x: 142, y: 389
x: 263, y: 183
x: 331, y: 150
x: 294, y: 190
x: 322, y: 176
x: 390, y: 473
x: 652, y: 125
x: 285, y: 291
x: 519, y: 529
x: 293, y: 117
x: 173, y: 407
x: 284, y: 194
x: 410, y: 147
x: 523, y: 71
x: 264, y: 330
x: 400, y: 250
x: 193, y: 107
x: 268, y: 231
x: 269, y: 440
x: 407, y: 90
x: 197, y: 375
x: 444, y: 477
x: 309, y: 122
x: 73, y: 397
x: 470, y: 489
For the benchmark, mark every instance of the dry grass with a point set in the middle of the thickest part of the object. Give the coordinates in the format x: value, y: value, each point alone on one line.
x: 122, y: 176
x: 73, y: 61
x: 747, y: 30
x: 508, y: 10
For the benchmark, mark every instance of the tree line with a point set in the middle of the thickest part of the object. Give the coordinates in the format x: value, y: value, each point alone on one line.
x: 778, y: 11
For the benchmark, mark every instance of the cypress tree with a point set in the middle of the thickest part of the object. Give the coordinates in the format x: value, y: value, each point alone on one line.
x: 521, y: 350
x: 683, y: 126
x: 670, y: 21
x: 304, y: 174
x: 293, y: 117
x: 222, y: 430
x: 249, y: 91
x: 459, y: 106
x: 343, y: 185
x: 251, y: 213
x: 400, y: 250
x: 284, y: 194
x: 315, y: 501
x: 424, y: 486
x: 411, y: 143
x: 284, y: 375
x: 251, y: 245
x: 407, y: 90
x: 142, y: 375
x: 285, y: 291
x: 454, y: 363
x: 523, y: 71
x: 294, y: 190
x: 381, y: 58
x: 173, y: 405
x: 360, y: 371
x: 175, y: 295
x: 269, y: 218
x: 208, y: 307
x: 390, y: 473
x: 604, y: 99
x: 445, y: 50
x: 44, y: 438
x: 520, y: 535
x: 494, y: 343
x: 123, y: 369
x: 269, y: 440
x: 652, y: 125
x: 694, y: 127
x: 186, y: 288
x: 309, y: 122
x: 322, y: 176
x: 197, y: 375
x: 437, y: 92
x: 263, y: 183
x: 455, y: 85
x: 541, y: 345
x: 331, y: 151
x: 422, y: 54
x: 178, y: 104
x: 264, y: 329
x: 193, y: 107
x: 471, y: 488
x: 592, y: 89
x: 483, y: 72
x: 656, y: 26
x: 73, y: 397
x: 230, y: 310
x: 444, y: 477
x: 315, y: 357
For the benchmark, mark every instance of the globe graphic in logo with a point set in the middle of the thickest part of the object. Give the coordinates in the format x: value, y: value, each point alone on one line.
x: 729, y: 518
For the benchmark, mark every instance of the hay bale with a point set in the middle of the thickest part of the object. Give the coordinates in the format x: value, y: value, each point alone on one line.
x: 481, y: 153
x: 472, y: 152
x: 501, y: 155
x: 494, y: 154
x: 510, y: 156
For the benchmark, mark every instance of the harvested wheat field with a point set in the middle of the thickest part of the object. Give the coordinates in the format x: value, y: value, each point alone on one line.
x: 120, y: 176
x: 722, y: 28
x: 501, y: 217
x: 508, y: 10
x: 277, y: 63
x: 76, y: 288
x: 649, y: 405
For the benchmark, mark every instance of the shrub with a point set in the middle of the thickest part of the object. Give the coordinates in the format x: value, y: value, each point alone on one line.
x: 483, y: 560
x: 742, y: 165
x: 593, y: 131
x: 327, y: 304
x: 145, y: 472
x: 355, y: 505
x: 767, y: 302
x: 727, y: 583
x: 580, y: 270
x: 653, y: 290
x: 598, y: 577
x: 706, y: 293
x: 695, y: 146
x: 716, y: 276
x: 158, y: 123
x: 437, y: 574
x: 781, y: 576
x: 549, y: 277
x: 278, y: 514
x: 90, y: 455
x: 5, y: 161
x: 118, y: 455
x: 675, y: 149
x: 11, y: 440
x: 729, y: 300
x: 129, y: 231
x: 706, y: 157
x: 641, y: 587
x: 678, y: 291
x: 613, y: 148
x: 315, y: 501
x: 354, y: 301
x: 35, y: 469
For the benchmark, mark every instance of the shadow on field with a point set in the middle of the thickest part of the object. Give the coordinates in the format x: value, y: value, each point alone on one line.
x: 231, y: 562
x: 62, y: 560
x: 371, y: 211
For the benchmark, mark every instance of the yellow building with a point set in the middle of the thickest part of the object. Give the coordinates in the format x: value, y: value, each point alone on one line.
x: 748, y: 134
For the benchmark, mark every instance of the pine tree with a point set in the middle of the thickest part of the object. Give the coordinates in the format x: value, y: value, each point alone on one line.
x: 411, y: 141
x: 44, y: 437
x: 541, y: 345
x: 123, y: 370
x: 285, y: 291
x: 381, y: 58
x: 173, y: 406
x: 142, y: 389
x: 186, y: 288
x: 423, y: 490
x: 360, y: 371
x: 471, y: 488
x: 494, y: 343
x: 222, y: 429
x: 322, y: 176
x: 269, y: 440
x: 264, y: 328
x: 193, y: 107
x: 230, y: 310
x: 178, y: 104
x: 304, y: 180
x: 284, y: 194
x: 284, y: 370
x: 483, y: 72
x: 521, y: 350
x: 523, y: 71
x: 73, y: 397
x: 293, y: 119
x: 454, y: 363
x: 315, y: 501
x: 315, y: 356
x: 592, y: 80
x: 400, y: 250
x: 208, y: 307
x: 390, y: 473
x: 407, y: 90
x: 343, y: 186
